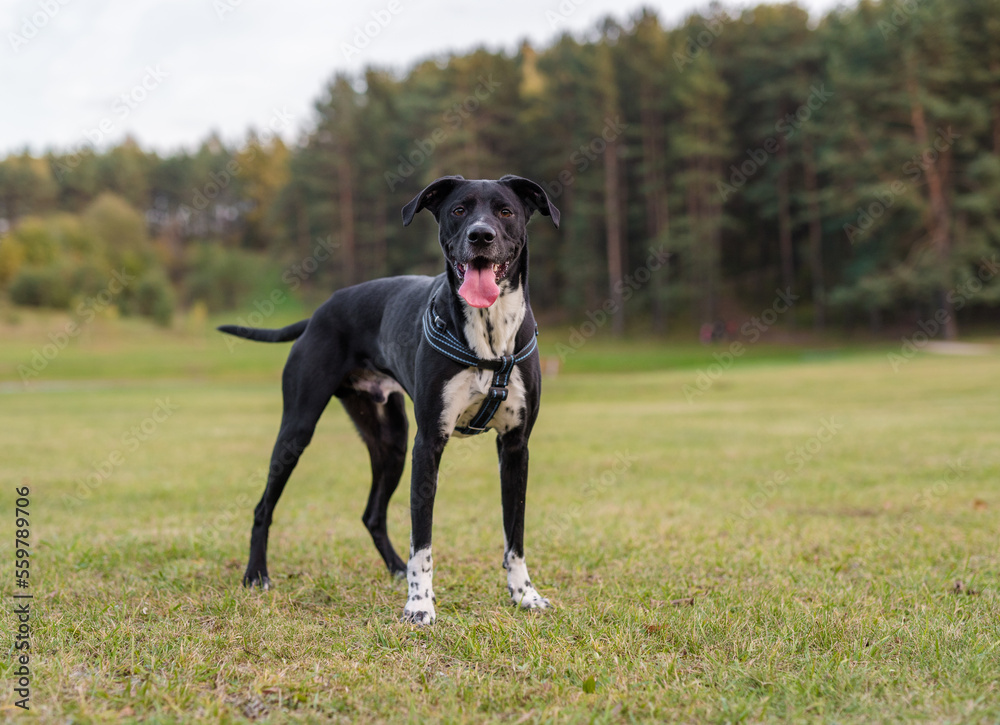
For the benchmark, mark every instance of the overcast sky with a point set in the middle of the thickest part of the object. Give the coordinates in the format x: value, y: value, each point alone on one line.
x: 170, y: 71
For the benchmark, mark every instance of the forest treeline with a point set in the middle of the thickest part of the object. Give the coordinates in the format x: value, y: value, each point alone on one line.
x: 849, y: 166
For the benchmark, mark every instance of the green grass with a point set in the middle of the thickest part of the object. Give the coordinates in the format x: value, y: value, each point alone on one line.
x: 696, y: 585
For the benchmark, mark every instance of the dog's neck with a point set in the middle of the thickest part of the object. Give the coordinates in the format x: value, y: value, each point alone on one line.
x: 492, y: 332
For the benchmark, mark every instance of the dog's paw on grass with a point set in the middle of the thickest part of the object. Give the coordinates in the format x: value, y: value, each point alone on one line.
x: 530, y: 599
x: 422, y: 615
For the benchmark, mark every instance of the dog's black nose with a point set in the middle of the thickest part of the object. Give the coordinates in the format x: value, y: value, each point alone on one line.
x: 481, y: 234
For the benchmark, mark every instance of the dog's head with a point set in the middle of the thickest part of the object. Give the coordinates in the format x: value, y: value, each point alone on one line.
x: 481, y: 227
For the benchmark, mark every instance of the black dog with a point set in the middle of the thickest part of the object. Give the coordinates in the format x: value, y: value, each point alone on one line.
x: 461, y: 345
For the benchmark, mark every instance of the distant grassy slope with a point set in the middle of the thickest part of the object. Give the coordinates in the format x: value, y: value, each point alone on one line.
x: 135, y: 349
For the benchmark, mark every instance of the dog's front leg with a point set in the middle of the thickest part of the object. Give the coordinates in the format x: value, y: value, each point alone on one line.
x: 427, y: 449
x: 512, y: 449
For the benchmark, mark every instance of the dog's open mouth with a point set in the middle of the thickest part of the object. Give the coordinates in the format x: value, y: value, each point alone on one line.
x: 480, y: 280
x: 499, y: 268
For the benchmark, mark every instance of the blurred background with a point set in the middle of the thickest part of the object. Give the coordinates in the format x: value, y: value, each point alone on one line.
x: 223, y: 152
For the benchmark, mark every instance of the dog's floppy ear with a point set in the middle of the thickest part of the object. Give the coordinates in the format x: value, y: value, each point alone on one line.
x: 532, y: 195
x: 431, y: 197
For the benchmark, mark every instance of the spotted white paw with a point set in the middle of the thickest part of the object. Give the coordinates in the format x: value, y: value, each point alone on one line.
x: 522, y: 593
x: 420, y: 600
x: 419, y: 612
x: 528, y: 598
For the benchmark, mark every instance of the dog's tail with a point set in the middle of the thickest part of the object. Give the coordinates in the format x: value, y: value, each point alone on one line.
x: 285, y: 334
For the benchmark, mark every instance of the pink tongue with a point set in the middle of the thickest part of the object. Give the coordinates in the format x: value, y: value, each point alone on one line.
x: 480, y: 287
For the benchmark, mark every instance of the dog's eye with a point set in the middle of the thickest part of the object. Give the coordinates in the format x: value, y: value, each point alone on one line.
x: 458, y: 211
x: 506, y: 213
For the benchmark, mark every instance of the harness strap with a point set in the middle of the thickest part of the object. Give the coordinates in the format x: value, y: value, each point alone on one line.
x: 439, y: 337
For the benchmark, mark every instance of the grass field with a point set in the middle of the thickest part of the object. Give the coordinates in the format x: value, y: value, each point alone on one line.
x: 815, y: 537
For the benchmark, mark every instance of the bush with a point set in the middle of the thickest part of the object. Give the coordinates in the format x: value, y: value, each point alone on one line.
x: 89, y: 278
x: 224, y: 279
x: 122, y: 228
x: 12, y: 255
x: 52, y: 261
x: 154, y: 297
x: 49, y: 286
x: 40, y: 246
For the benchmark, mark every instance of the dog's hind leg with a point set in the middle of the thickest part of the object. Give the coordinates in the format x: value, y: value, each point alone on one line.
x: 305, y: 398
x: 383, y: 428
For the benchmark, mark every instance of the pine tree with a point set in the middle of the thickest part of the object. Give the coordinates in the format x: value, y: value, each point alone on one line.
x: 701, y: 144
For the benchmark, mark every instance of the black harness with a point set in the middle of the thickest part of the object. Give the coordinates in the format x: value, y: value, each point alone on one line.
x: 439, y: 337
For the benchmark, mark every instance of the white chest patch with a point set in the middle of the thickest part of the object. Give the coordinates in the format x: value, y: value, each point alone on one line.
x: 490, y: 333
x: 464, y: 395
